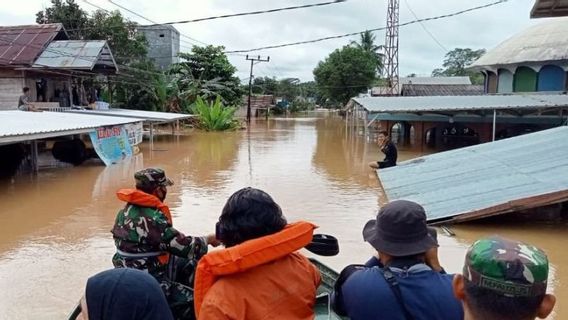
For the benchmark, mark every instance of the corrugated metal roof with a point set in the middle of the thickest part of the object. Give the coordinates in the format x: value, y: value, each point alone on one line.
x: 21, y: 45
x: 421, y: 90
x: 549, y: 8
x: 22, y: 126
x: 139, y: 114
x: 76, y: 54
x: 487, y: 179
x: 424, y: 81
x: 541, y: 43
x: 458, y: 103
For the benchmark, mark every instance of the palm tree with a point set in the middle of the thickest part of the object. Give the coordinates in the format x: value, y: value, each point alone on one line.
x: 367, y: 43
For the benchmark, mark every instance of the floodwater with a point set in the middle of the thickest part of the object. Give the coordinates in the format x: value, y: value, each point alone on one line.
x: 54, y: 228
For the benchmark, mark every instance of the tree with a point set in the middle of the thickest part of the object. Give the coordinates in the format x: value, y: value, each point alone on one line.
x: 209, y: 69
x: 73, y: 18
x: 456, y: 62
x: 345, y: 73
x: 264, y: 85
x: 367, y: 43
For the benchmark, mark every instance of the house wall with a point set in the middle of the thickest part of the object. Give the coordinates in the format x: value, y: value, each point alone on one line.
x: 11, y: 84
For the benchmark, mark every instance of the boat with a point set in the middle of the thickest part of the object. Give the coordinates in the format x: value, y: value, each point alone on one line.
x: 322, y: 308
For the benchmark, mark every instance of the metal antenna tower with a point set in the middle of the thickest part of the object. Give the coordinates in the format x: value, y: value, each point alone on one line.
x: 391, y: 48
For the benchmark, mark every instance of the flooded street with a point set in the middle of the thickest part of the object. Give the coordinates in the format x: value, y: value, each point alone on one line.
x: 55, y: 228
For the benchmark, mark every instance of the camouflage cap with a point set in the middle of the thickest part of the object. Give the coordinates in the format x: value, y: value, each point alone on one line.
x: 152, y: 177
x: 509, y: 267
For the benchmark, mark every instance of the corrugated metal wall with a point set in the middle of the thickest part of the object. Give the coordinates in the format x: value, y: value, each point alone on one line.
x: 525, y: 80
x: 551, y: 78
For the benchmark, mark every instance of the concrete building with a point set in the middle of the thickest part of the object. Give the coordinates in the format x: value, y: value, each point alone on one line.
x: 534, y: 60
x: 163, y: 44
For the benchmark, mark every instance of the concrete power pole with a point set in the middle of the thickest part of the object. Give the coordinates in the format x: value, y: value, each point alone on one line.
x: 391, y: 48
x: 252, y: 60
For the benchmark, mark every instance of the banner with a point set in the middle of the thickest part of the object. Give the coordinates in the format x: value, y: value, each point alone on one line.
x: 135, y: 133
x: 111, y: 144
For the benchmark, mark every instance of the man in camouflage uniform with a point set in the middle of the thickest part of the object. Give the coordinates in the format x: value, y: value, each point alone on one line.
x: 504, y: 279
x: 145, y: 239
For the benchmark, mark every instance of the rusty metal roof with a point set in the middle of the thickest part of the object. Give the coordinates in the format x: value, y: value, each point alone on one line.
x: 536, y: 46
x: 484, y: 180
x: 549, y: 8
x: 21, y: 45
x: 76, y: 54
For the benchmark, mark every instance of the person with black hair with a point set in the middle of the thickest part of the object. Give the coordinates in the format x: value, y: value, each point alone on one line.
x: 389, y: 149
x: 405, y: 280
x: 504, y: 280
x: 259, y: 275
x: 24, y: 103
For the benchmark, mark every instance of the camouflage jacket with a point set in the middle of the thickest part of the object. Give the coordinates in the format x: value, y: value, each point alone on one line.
x: 140, y: 230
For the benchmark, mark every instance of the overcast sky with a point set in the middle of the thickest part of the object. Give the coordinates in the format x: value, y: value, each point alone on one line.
x: 419, y: 53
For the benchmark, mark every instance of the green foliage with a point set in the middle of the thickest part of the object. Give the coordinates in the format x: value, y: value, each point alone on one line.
x: 345, y: 73
x: 367, y: 43
x: 67, y: 12
x: 207, y: 72
x: 456, y: 62
x: 265, y: 85
x: 213, y: 116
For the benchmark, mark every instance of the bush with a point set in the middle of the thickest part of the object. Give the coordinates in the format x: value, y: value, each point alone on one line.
x: 213, y: 116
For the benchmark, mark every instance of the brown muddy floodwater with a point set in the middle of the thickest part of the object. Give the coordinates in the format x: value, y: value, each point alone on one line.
x: 54, y: 228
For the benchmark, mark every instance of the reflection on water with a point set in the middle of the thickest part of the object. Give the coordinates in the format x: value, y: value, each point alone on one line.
x: 54, y: 228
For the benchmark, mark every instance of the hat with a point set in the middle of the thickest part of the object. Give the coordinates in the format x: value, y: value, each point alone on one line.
x: 152, y: 177
x: 509, y: 267
x: 400, y: 230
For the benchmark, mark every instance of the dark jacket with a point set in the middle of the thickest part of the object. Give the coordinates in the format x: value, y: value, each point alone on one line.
x: 391, y: 155
x: 427, y: 295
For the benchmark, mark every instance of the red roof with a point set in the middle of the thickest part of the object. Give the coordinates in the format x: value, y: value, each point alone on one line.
x: 21, y: 45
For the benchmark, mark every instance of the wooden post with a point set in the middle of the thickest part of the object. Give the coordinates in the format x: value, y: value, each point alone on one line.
x: 151, y: 136
x: 494, y: 123
x: 35, y: 157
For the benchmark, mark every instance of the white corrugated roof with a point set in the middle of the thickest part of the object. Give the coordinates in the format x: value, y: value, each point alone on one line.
x: 23, y: 126
x: 544, y: 42
x: 457, y: 103
x: 485, y: 179
x: 141, y: 114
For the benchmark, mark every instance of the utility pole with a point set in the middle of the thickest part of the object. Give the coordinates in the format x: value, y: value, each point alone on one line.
x: 252, y: 60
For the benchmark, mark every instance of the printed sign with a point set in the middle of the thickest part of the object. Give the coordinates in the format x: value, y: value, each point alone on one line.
x: 111, y: 144
x: 135, y: 133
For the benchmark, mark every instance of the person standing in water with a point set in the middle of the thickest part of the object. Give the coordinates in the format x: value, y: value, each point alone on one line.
x: 389, y: 149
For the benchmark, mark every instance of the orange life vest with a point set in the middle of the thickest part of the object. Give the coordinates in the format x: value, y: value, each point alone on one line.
x: 248, y: 255
x: 143, y: 199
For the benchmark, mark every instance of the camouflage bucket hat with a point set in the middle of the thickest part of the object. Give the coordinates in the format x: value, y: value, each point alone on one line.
x: 509, y: 267
x: 152, y: 177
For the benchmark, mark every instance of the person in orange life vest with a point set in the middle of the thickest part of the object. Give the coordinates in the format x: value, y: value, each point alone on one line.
x: 145, y: 239
x: 259, y: 275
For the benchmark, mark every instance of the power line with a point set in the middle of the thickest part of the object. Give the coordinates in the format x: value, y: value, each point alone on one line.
x: 321, y: 4
x: 424, y: 27
x: 372, y: 30
x: 151, y: 21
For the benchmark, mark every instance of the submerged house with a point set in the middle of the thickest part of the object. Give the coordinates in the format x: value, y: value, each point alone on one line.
x: 58, y: 71
x: 524, y: 91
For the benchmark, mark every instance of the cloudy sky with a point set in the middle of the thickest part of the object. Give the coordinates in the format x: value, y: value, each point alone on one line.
x: 419, y: 52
